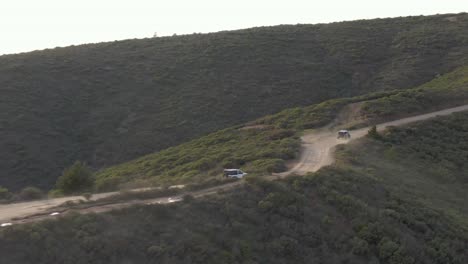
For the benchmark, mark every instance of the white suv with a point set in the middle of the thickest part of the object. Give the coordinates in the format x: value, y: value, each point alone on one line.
x: 233, y: 173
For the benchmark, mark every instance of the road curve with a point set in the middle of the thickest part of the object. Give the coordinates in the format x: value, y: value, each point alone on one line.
x: 317, y: 148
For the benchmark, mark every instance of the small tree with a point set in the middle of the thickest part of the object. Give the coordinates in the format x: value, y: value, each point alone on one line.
x: 76, y: 178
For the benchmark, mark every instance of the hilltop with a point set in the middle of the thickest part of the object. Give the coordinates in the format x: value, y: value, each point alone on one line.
x: 111, y: 102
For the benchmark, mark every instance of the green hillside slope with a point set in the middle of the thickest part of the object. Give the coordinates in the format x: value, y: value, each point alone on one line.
x: 397, y: 200
x: 266, y: 144
x: 111, y: 102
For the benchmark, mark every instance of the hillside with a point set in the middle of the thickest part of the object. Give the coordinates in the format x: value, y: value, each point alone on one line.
x: 265, y: 145
x: 111, y: 102
x: 398, y: 199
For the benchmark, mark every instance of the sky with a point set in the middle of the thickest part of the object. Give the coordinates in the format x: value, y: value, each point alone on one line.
x: 27, y: 25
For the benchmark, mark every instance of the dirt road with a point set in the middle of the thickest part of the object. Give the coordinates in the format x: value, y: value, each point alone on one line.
x: 23, y: 209
x: 317, y: 148
x: 46, y: 213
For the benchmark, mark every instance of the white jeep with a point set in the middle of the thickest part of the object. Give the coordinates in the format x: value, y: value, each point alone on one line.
x: 344, y: 134
x: 233, y: 173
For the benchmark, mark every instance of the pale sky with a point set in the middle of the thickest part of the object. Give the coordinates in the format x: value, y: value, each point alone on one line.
x: 28, y: 25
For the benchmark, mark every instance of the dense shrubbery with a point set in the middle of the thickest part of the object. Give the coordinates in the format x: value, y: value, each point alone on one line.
x: 258, y: 150
x: 445, y: 91
x: 113, y: 102
x: 441, y: 145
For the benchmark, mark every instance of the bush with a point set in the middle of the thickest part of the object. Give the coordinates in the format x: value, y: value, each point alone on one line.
x: 76, y: 178
x: 30, y: 193
x: 4, y: 193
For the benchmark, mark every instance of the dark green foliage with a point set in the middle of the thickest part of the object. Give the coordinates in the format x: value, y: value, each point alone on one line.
x: 75, y: 179
x: 30, y: 193
x: 112, y: 102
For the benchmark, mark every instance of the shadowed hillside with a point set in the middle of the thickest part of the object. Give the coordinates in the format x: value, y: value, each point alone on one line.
x: 111, y: 102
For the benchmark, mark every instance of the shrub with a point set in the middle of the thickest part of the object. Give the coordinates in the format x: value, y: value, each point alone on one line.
x: 30, y: 193
x: 76, y: 178
x: 4, y: 193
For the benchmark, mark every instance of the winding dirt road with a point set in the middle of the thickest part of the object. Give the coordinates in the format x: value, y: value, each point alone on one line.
x: 317, y: 148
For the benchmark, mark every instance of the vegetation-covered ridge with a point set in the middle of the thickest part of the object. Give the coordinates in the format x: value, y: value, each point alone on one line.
x: 112, y: 102
x: 264, y: 145
x: 444, y: 91
x: 382, y: 202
